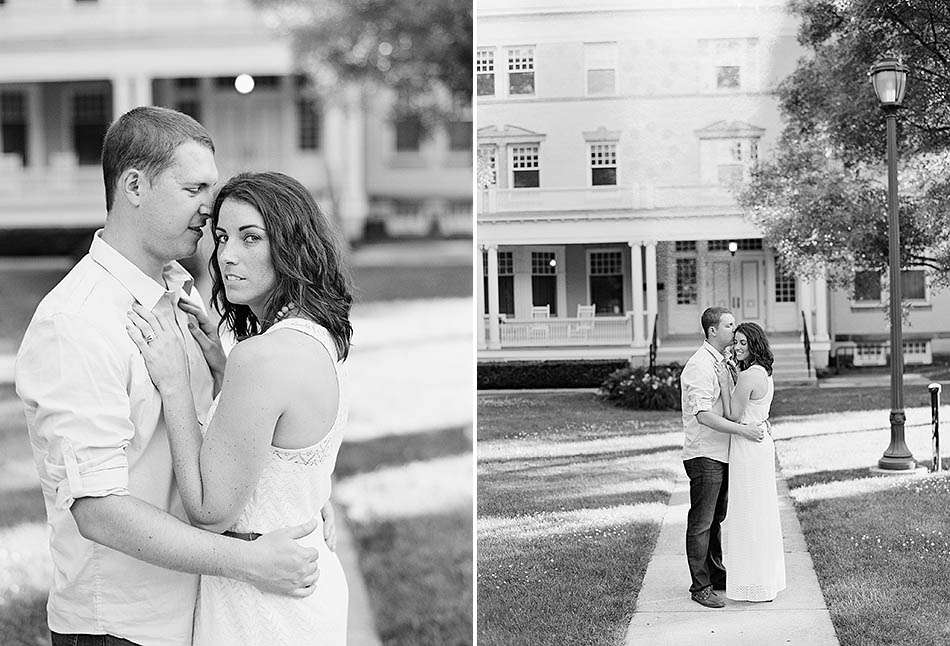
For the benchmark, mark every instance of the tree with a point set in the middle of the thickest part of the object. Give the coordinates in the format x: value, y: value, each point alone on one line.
x: 421, y: 50
x: 821, y: 199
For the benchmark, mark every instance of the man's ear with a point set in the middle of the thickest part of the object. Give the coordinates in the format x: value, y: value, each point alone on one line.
x: 132, y: 185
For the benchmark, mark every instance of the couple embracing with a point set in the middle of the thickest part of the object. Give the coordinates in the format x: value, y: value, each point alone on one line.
x: 160, y: 457
x: 729, y: 458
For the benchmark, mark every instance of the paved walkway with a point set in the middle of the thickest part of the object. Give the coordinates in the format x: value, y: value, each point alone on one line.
x: 665, y: 613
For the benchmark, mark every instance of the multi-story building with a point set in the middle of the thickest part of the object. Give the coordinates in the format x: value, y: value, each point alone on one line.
x: 610, y: 138
x: 69, y: 67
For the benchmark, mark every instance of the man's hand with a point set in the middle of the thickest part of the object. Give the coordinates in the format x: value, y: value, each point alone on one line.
x: 753, y: 433
x: 276, y: 563
x: 329, y: 525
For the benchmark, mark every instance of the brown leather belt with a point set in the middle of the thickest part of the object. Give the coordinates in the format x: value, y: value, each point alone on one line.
x: 244, y: 536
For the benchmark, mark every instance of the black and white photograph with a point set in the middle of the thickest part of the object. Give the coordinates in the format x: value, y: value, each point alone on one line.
x: 713, y: 324
x: 236, y: 333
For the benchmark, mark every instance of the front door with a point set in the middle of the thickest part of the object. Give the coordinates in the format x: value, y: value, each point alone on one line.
x: 736, y: 284
x: 247, y: 132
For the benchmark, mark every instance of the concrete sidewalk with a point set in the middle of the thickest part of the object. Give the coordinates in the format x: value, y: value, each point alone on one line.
x: 665, y: 613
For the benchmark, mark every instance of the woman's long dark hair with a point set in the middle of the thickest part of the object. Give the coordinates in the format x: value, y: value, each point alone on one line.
x: 305, y: 252
x: 758, y: 345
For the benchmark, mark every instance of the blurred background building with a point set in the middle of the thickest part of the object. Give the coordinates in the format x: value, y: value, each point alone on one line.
x: 68, y: 68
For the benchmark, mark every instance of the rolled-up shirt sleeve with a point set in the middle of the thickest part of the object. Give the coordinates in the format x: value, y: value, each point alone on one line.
x: 699, y: 387
x: 76, y: 382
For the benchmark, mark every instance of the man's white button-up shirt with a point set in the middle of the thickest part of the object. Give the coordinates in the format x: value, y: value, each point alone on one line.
x: 700, y: 392
x: 97, y: 429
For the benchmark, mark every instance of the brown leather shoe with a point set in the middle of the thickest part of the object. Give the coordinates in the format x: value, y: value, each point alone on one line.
x: 706, y: 597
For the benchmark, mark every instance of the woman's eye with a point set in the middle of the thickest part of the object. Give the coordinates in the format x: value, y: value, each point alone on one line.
x: 220, y: 238
x: 251, y: 238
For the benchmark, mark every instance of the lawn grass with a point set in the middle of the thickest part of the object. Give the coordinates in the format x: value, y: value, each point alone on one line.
x: 412, y: 521
x: 571, y: 494
x: 880, y: 545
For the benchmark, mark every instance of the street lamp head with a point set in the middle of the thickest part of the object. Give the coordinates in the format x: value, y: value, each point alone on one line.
x: 889, y: 78
x: 733, y: 247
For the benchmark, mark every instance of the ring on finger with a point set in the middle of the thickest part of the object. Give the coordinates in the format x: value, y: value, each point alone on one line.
x: 149, y: 337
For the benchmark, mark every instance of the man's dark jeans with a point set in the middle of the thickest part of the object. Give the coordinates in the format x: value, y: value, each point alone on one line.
x: 88, y: 640
x: 708, y: 492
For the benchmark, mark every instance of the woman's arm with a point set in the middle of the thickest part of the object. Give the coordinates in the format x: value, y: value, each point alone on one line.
x: 749, y: 382
x: 217, y: 474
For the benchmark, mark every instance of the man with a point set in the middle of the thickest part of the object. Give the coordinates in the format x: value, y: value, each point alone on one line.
x: 706, y: 456
x: 125, y: 564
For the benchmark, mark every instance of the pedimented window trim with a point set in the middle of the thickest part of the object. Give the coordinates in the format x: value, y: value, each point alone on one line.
x: 602, y: 134
x: 730, y: 130
x: 508, y: 134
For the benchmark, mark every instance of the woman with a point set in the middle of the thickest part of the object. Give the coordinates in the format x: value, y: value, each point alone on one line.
x: 752, y: 533
x: 265, y: 457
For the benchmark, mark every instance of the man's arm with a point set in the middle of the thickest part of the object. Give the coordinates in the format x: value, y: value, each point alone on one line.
x: 721, y: 424
x: 74, y: 375
x: 273, y: 563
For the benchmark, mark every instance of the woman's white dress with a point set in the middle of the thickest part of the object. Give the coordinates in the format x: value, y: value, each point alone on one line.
x: 294, y: 486
x: 753, y: 553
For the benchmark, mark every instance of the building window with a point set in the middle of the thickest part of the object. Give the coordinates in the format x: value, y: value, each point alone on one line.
x: 867, y: 286
x: 727, y: 77
x: 686, y: 291
x: 525, y: 170
x: 606, y: 282
x: 913, y: 285
x: 13, y: 124
x: 784, y: 286
x: 521, y: 70
x: 603, y: 164
x: 408, y: 134
x: 485, y: 70
x: 506, y: 282
x: 186, y: 83
x: 601, y: 63
x: 460, y: 136
x: 685, y: 245
x: 308, y: 125
x: 544, y: 280
x: 90, y: 122
x: 191, y: 107
x: 745, y: 244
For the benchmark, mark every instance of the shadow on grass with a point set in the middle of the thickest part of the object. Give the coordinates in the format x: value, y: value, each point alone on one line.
x: 881, y: 560
x: 419, y: 596
x: 394, y: 450
x: 22, y: 506
x: 566, y: 589
x: 583, y: 458
x: 23, y: 622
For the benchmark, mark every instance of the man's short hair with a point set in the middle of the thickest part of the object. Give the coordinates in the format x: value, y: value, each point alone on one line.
x: 146, y: 138
x: 711, y: 318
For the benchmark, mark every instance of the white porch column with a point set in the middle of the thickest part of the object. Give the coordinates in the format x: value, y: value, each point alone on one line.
x: 636, y: 278
x: 35, y: 135
x: 805, y: 290
x: 130, y: 92
x: 494, y: 331
x: 769, y: 290
x: 355, y: 202
x: 480, y: 292
x: 652, y: 306
x: 821, y: 309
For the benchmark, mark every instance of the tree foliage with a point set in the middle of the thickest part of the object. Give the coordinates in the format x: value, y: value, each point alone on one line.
x: 821, y: 199
x: 421, y: 50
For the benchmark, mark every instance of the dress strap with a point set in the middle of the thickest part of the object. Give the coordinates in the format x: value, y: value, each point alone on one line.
x: 311, y: 329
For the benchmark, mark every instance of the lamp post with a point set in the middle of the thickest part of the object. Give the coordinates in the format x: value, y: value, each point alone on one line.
x: 889, y: 78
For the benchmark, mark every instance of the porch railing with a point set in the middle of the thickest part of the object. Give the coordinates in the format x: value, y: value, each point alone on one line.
x: 601, y: 330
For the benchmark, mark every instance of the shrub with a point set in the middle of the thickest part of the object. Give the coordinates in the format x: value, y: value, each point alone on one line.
x: 545, y: 374
x: 636, y: 388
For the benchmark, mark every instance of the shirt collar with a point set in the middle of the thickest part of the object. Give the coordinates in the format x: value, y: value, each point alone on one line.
x: 143, y: 288
x: 713, y: 351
